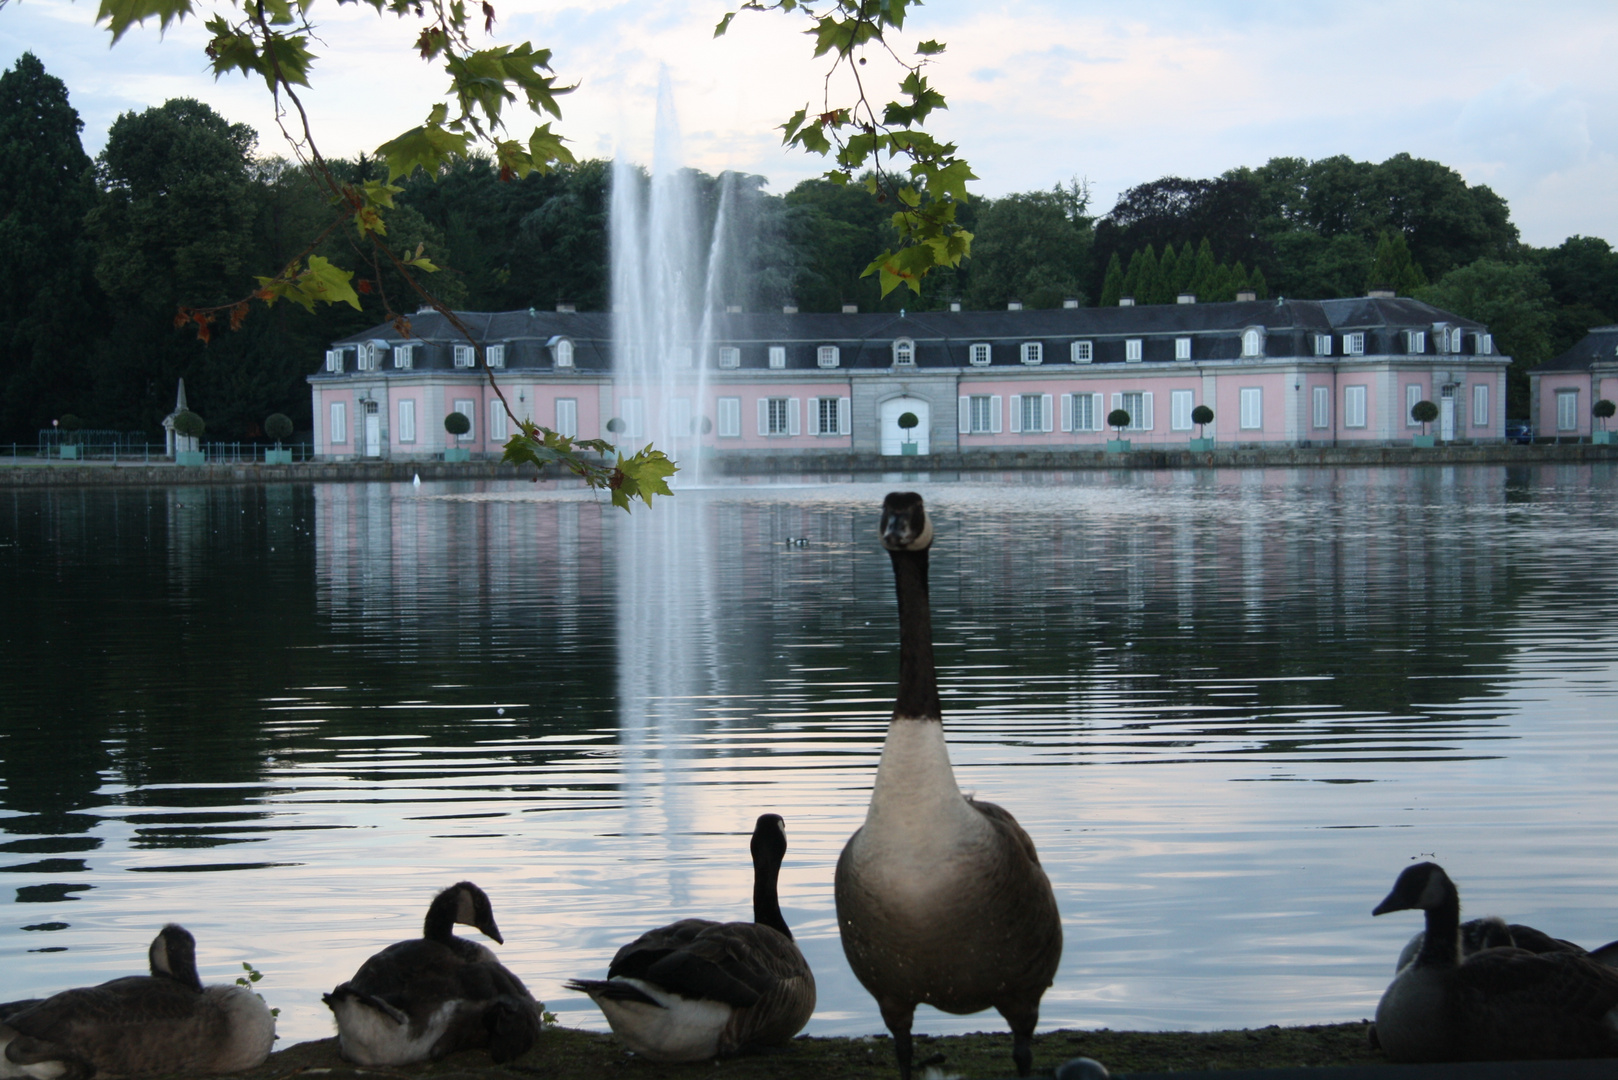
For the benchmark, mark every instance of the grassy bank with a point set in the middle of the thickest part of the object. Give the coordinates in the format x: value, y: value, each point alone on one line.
x: 569, y: 1054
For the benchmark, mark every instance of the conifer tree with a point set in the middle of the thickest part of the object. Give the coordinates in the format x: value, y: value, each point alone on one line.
x: 1167, y: 270
x: 1257, y: 283
x: 1238, y: 279
x: 1132, y: 278
x: 1113, y: 287
x: 1203, y: 275
x: 1392, y: 265
x: 1185, y: 268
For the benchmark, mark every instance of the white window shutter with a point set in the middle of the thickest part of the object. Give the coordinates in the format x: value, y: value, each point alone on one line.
x: 994, y: 415
x: 845, y: 410
x: 1016, y: 413
x: 1117, y: 401
x: 763, y: 416
x: 965, y: 415
x: 1045, y: 409
x: 1067, y: 412
x: 1146, y: 407
x: 792, y: 416
x: 1098, y: 417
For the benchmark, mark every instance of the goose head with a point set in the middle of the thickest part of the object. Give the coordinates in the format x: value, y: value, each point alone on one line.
x: 462, y: 903
x: 1423, y: 887
x: 769, y: 847
x: 905, y: 525
x: 173, y: 955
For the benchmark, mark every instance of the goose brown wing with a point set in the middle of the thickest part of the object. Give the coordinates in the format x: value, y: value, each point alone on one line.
x: 137, y: 1000
x: 1006, y: 824
x: 1558, y: 984
x: 734, y: 963
x: 633, y: 960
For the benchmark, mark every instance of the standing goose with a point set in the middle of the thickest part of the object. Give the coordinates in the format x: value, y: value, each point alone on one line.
x: 436, y: 994
x: 142, y: 1025
x: 1498, y: 1004
x: 696, y: 989
x: 941, y: 899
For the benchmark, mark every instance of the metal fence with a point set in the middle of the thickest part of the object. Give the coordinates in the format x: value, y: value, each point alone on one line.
x: 131, y: 448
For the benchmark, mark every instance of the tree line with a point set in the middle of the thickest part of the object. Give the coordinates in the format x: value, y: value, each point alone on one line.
x: 181, y: 207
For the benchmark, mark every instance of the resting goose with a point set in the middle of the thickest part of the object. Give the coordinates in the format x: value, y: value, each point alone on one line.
x: 142, y: 1025
x: 941, y: 899
x: 696, y: 989
x: 436, y: 994
x: 1490, y: 932
x: 1498, y: 1004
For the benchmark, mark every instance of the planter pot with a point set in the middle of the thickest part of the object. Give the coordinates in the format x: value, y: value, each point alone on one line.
x: 1428, y: 441
x: 190, y: 457
x: 907, y: 449
x: 1600, y: 438
x: 71, y: 452
x: 455, y: 453
x: 278, y: 457
x: 1202, y: 444
x: 1117, y: 446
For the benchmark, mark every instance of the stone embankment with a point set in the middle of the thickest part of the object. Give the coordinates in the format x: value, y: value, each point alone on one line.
x: 825, y: 466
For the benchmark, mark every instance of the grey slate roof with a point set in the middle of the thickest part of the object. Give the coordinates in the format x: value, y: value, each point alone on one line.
x: 1600, y: 344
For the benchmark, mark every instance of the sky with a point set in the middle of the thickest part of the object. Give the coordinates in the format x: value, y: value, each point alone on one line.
x: 1521, y: 97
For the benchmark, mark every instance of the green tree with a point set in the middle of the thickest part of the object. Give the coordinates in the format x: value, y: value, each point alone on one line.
x: 1032, y: 247
x: 1393, y: 266
x: 1113, y: 285
x: 48, y: 297
x: 1511, y: 299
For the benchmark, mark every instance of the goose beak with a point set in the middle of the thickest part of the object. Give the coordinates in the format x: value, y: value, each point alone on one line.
x: 1389, y: 903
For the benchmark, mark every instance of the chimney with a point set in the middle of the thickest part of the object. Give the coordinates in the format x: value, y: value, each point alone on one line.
x: 1126, y: 301
x: 1381, y: 292
x: 1071, y: 302
x: 851, y: 309
x: 789, y: 309
x: 1013, y: 305
x: 565, y: 308
x: 955, y: 305
x: 1186, y: 298
x: 1245, y: 294
x: 733, y: 309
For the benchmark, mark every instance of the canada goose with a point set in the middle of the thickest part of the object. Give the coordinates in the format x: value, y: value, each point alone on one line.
x: 142, y: 1025
x: 941, y: 899
x: 436, y: 994
x: 1490, y: 932
x: 696, y: 989
x: 1498, y: 1004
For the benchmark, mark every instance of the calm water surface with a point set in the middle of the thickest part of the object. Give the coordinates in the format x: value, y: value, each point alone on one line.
x: 1229, y: 707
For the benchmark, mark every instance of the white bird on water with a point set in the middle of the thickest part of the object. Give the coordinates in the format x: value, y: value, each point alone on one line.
x: 416, y: 482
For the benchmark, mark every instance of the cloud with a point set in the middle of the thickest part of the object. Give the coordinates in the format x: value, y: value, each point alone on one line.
x: 1524, y: 128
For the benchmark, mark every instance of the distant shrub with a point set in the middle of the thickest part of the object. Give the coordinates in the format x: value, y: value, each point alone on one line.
x: 457, y: 423
x: 278, y: 426
x: 1118, y: 418
x: 189, y: 424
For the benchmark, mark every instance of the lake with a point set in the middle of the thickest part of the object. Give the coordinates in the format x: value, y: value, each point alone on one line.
x: 1228, y: 706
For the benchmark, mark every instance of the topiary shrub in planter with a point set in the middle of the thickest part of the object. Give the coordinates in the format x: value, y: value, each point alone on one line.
x: 1200, y: 416
x: 457, y: 424
x: 278, y: 426
x: 1603, y: 411
x: 191, y: 426
x: 70, y: 425
x: 1424, y: 413
x: 1118, y: 419
x: 908, y: 422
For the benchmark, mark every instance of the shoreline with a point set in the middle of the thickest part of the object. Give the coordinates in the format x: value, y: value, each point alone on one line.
x: 823, y: 467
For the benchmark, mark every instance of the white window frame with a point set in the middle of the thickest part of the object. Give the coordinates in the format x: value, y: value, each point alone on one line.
x: 469, y: 409
x: 904, y: 353
x: 730, y: 356
x: 497, y: 421
x: 979, y: 354
x: 1485, y: 345
x: 1182, y: 348
x: 777, y: 417
x: 1480, y: 405
x: 1354, y: 405
x: 407, y: 420
x: 334, y: 360
x: 1033, y: 353
x: 1072, y: 412
x: 632, y: 411
x: 1252, y: 408
x: 1181, y: 402
x: 563, y: 356
x: 567, y: 417
x: 494, y: 355
x: 778, y: 360
x: 1252, y: 342
x: 1416, y: 342
x: 1567, y: 410
x: 1412, y: 395
x: 1031, y: 413
x: 366, y: 356
x: 338, y: 433
x: 1132, y: 350
x: 828, y: 356
x: 1322, y: 409
x: 1322, y: 344
x: 1354, y: 344
x: 404, y: 356
x: 979, y: 414
x: 1140, y: 417
x: 464, y: 356
x: 729, y: 425
x: 1082, y: 352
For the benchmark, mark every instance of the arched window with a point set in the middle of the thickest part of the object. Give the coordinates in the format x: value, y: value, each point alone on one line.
x: 904, y: 353
x: 563, y: 352
x: 1253, y: 341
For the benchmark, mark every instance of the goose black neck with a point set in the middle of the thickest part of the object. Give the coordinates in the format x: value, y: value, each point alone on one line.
x: 766, y: 897
x: 1441, y: 945
x: 918, y: 680
x: 440, y: 922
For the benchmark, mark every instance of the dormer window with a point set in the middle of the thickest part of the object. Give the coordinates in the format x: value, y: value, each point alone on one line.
x: 562, y: 352
x: 828, y: 356
x: 495, y: 355
x: 1485, y: 344
x: 1033, y: 353
x: 778, y: 357
x: 1253, y: 341
x: 404, y: 356
x: 465, y: 356
x: 1082, y: 352
x: 1182, y: 345
x: 1455, y: 339
x: 978, y: 355
x: 1354, y: 344
x: 1415, y: 342
x: 334, y: 360
x: 730, y: 356
x: 904, y: 353
x: 365, y: 356
x: 1132, y: 350
x: 1322, y: 344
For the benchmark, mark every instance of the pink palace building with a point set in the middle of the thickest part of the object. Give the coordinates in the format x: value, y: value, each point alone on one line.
x: 1274, y: 372
x: 1562, y: 392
